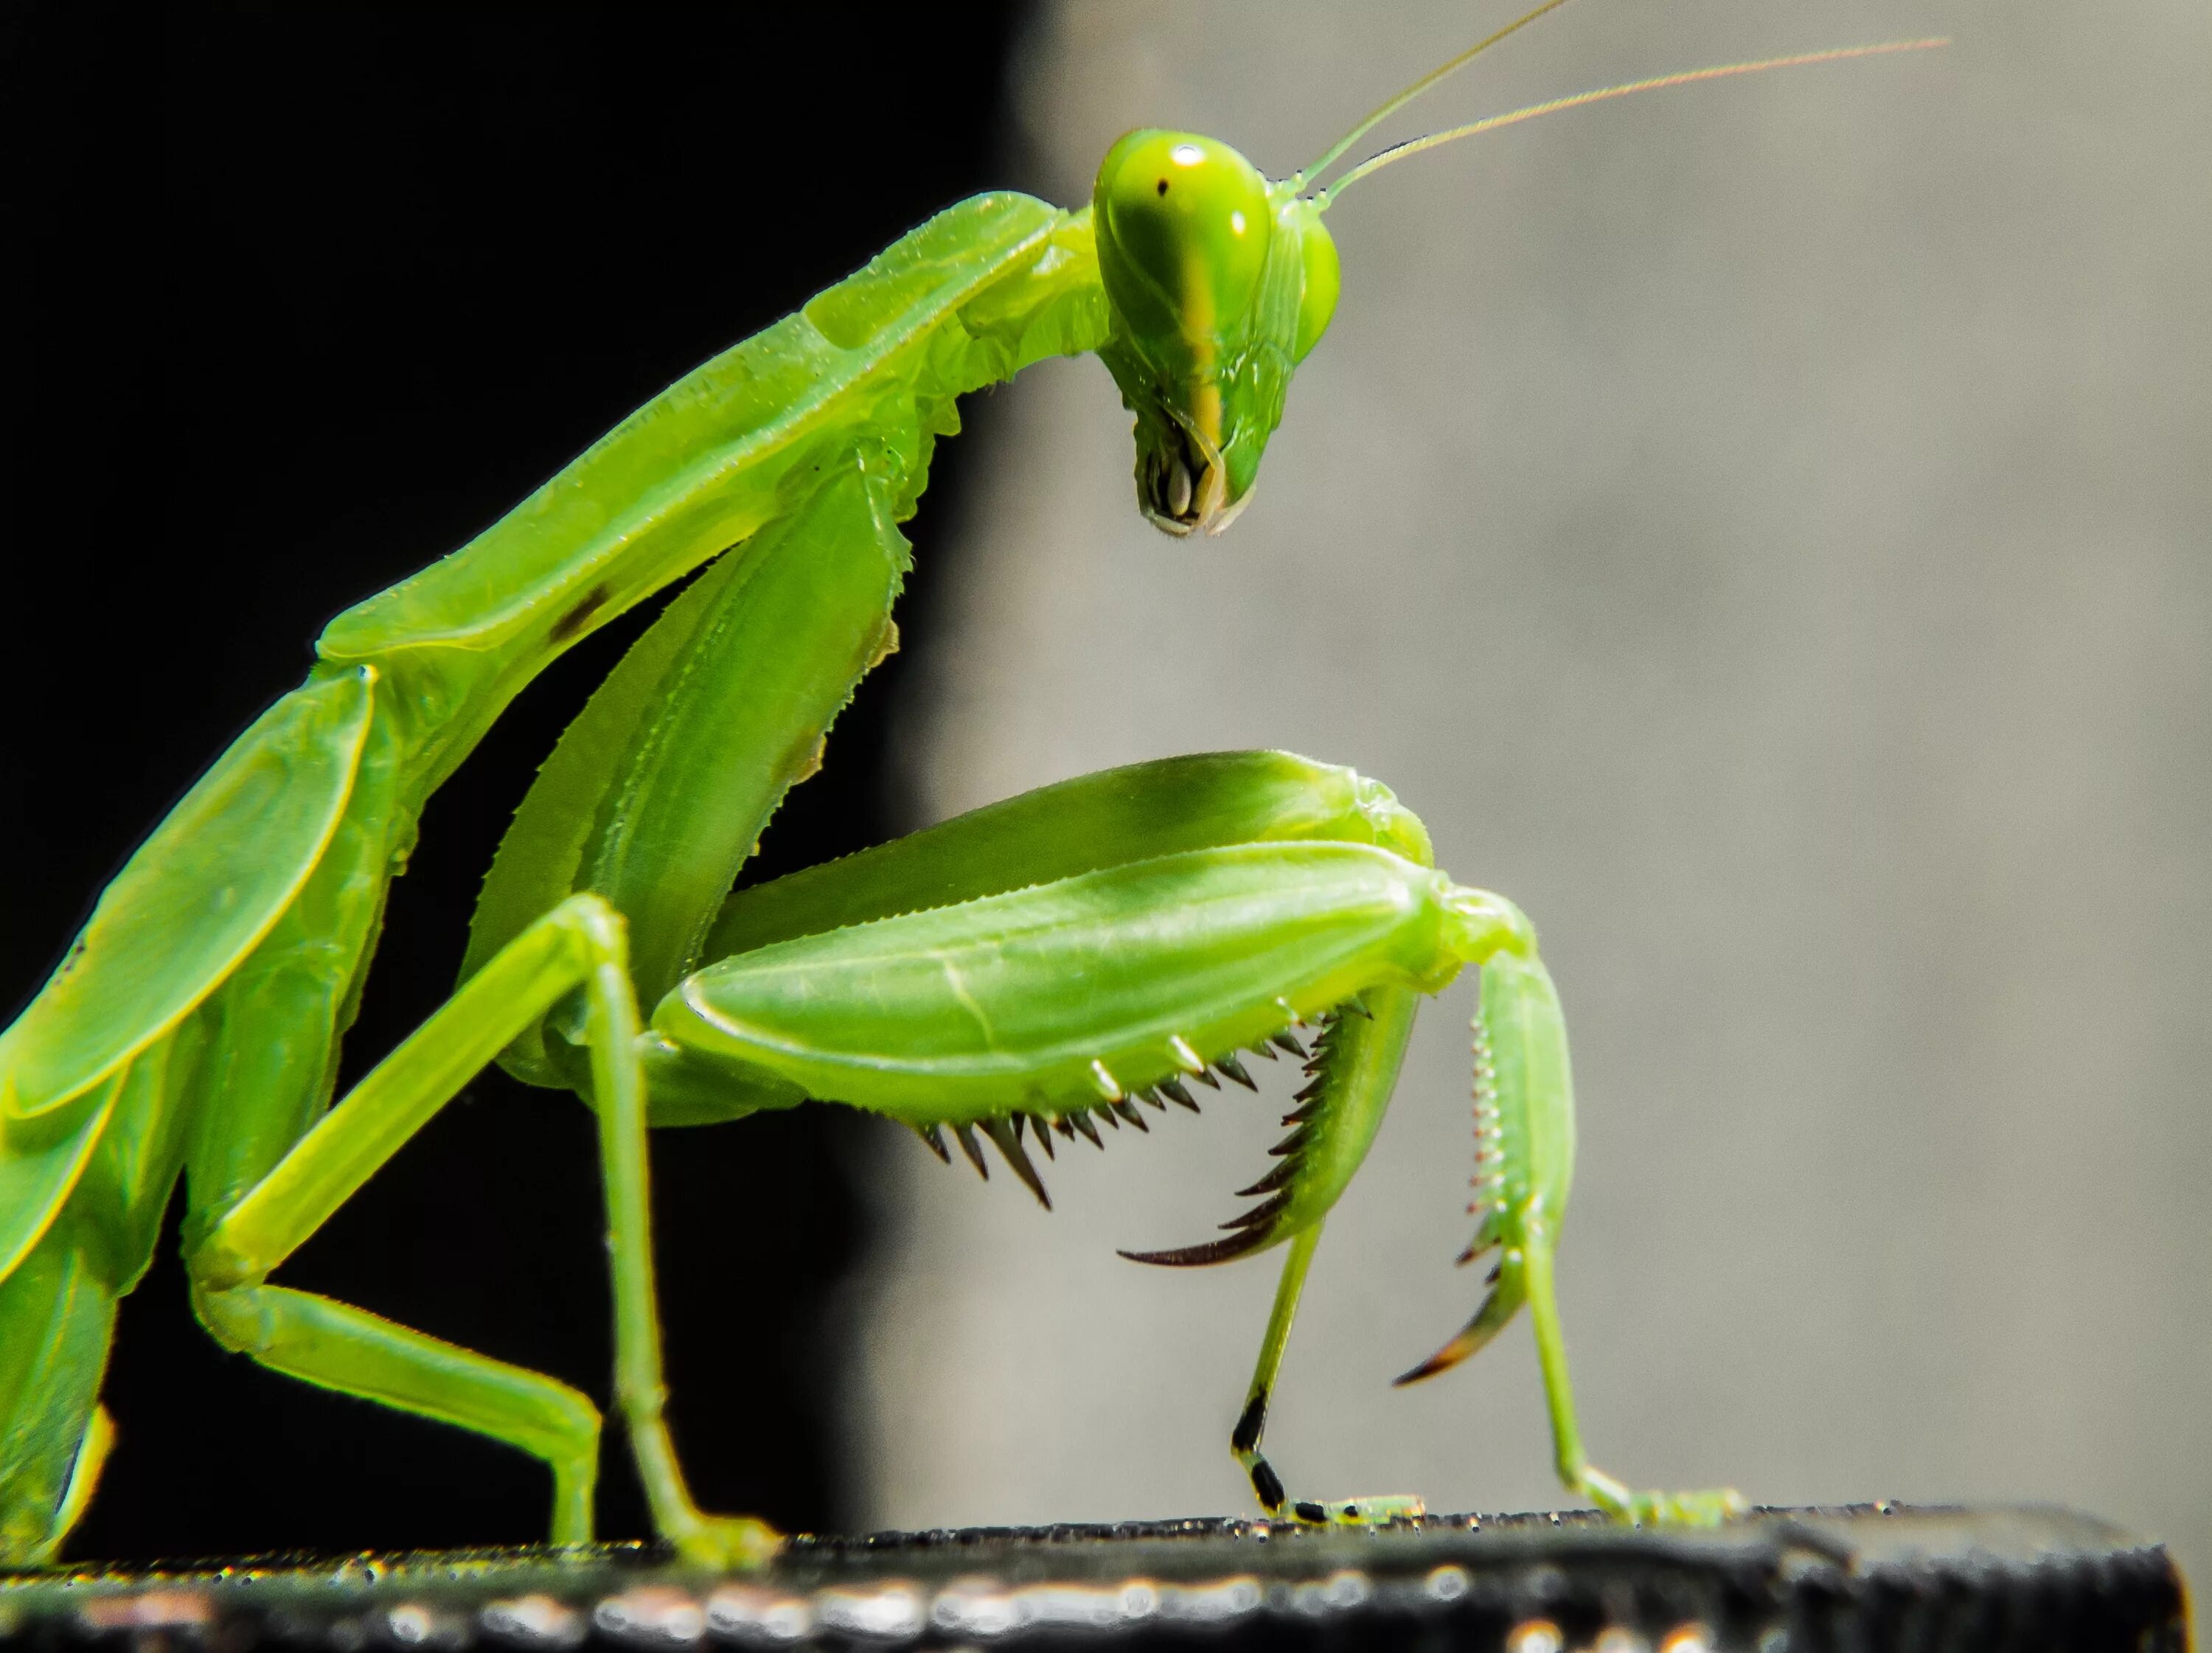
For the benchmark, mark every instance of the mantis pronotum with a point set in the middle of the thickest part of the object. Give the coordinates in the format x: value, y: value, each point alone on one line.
x: 1208, y: 906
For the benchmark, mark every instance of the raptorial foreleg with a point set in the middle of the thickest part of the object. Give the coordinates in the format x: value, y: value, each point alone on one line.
x: 1524, y: 1165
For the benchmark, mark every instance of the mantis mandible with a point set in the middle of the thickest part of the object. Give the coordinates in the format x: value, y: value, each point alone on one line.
x: 1026, y: 973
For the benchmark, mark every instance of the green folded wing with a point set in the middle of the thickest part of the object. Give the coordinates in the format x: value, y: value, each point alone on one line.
x: 804, y: 446
x: 40, y: 1161
x: 962, y: 301
x: 195, y: 899
x: 659, y: 790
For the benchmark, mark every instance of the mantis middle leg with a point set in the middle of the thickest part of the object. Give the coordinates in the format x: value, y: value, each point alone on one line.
x: 580, y: 947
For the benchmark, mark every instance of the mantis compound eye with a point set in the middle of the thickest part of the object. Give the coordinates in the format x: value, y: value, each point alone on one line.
x: 1317, y: 293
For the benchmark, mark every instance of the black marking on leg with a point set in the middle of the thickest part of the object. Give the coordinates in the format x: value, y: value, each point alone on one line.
x: 579, y: 616
x: 1305, y: 1509
x: 1267, y: 1484
x: 1247, y: 1436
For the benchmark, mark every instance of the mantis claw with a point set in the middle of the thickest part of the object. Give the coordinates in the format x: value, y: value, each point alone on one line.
x: 729, y: 1543
x: 1373, y: 1510
x: 1708, y: 1507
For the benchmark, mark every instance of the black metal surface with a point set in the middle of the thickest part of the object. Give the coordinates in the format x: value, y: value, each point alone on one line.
x: 1807, y: 1581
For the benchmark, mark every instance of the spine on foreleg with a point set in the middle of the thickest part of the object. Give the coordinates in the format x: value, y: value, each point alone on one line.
x: 1524, y: 1143
x: 1532, y: 1114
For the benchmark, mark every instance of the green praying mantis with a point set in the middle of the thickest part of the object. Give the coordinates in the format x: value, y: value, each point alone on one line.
x: 1023, y: 973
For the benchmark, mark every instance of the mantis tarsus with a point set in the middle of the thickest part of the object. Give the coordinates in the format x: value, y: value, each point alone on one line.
x: 1064, y: 959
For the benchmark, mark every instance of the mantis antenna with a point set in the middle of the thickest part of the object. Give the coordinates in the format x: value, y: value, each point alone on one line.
x: 1441, y: 71
x: 1323, y: 198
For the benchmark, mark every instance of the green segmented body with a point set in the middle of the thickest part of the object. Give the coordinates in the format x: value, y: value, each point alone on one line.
x: 194, y: 1026
x: 1045, y: 964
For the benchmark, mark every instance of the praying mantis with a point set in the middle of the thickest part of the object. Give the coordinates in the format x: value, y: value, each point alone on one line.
x: 1029, y: 970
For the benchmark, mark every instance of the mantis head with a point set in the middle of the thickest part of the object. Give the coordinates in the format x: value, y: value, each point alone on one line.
x: 1219, y: 282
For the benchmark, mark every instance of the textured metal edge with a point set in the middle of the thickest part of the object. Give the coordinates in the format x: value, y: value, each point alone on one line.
x: 1785, y: 1581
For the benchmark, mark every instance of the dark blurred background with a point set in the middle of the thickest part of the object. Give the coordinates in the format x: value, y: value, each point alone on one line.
x: 305, y: 301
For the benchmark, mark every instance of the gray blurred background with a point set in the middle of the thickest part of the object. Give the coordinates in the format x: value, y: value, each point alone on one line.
x: 1763, y: 529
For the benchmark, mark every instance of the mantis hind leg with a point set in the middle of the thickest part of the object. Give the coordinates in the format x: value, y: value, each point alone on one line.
x: 337, y: 1347
x: 577, y: 949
